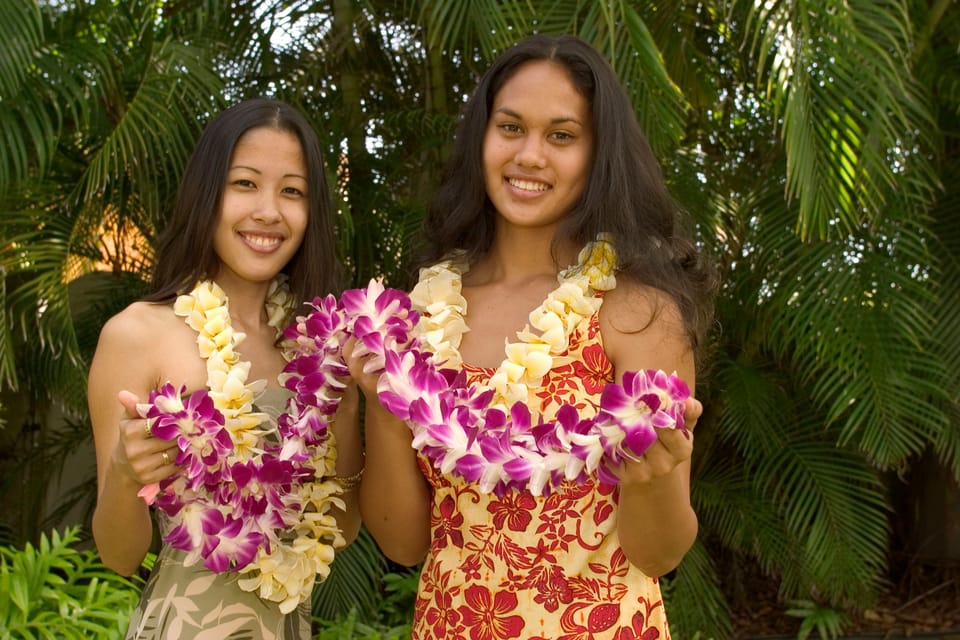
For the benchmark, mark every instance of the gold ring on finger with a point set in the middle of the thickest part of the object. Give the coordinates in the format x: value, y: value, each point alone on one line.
x: 166, y: 458
x: 146, y: 427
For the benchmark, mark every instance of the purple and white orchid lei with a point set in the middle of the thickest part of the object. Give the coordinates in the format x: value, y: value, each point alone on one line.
x: 455, y: 426
x: 250, y: 497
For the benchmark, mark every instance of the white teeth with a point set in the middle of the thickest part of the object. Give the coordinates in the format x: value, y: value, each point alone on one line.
x: 262, y: 241
x: 526, y: 185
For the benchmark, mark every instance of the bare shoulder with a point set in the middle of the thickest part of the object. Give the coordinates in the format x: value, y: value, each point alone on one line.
x: 137, y: 348
x: 140, y: 322
x: 642, y: 327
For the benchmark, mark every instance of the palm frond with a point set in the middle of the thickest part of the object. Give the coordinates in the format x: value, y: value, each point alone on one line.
x: 685, y: 38
x: 847, y: 139
x: 31, y: 122
x: 833, y: 502
x: 354, y: 581
x: 853, y: 315
x: 694, y: 598
x: 154, y: 132
x: 484, y: 26
x: 21, y: 30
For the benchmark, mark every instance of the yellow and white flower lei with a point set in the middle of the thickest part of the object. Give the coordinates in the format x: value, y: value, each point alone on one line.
x: 287, y: 572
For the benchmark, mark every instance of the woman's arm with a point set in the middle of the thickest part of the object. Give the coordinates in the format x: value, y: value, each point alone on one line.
x: 642, y: 329
x: 127, y: 457
x: 395, y: 498
x: 350, y: 464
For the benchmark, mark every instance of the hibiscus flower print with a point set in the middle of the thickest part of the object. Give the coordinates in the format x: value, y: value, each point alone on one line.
x: 513, y: 510
x: 447, y: 525
x: 485, y: 614
x: 558, y: 390
x: 638, y: 629
x: 440, y: 614
x: 595, y: 370
x: 524, y: 568
x: 554, y: 591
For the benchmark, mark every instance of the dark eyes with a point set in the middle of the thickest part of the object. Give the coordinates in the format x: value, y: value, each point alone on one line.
x: 513, y: 129
x: 244, y: 183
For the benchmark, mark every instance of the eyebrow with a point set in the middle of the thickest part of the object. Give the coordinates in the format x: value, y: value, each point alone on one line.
x: 559, y: 120
x: 257, y: 171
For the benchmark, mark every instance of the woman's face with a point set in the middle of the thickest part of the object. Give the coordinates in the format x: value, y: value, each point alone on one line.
x: 538, y: 146
x: 263, y: 215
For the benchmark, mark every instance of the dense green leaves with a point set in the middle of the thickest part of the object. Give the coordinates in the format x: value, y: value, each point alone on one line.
x: 58, y: 592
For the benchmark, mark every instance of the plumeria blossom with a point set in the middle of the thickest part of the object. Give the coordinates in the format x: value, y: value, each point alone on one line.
x: 441, y: 325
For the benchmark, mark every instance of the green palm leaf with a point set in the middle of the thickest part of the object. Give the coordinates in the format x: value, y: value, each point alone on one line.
x: 694, y: 598
x: 847, y: 139
x: 353, y: 583
x: 484, y: 26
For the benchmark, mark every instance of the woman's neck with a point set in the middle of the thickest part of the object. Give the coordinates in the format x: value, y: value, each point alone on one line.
x: 519, y: 255
x: 246, y: 302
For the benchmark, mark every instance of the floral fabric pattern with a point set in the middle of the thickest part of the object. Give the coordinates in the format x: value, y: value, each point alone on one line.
x: 523, y: 566
x: 180, y: 602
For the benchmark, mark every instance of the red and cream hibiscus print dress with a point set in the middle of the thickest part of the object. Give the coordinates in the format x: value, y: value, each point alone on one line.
x: 521, y: 566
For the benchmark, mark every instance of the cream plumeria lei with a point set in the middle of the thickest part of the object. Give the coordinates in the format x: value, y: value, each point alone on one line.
x: 251, y: 498
x: 438, y: 297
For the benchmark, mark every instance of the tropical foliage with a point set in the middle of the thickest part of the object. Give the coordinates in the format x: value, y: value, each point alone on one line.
x: 56, y: 591
x: 815, y: 144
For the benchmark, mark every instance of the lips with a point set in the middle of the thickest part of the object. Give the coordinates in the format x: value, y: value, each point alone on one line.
x: 261, y: 241
x: 528, y: 185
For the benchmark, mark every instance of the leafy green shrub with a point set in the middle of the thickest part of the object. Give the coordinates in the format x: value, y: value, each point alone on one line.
x: 57, y: 591
x: 390, y: 621
x: 826, y: 621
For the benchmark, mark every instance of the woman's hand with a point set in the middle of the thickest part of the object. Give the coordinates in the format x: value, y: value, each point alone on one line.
x: 671, y: 448
x: 143, y: 456
x: 367, y: 382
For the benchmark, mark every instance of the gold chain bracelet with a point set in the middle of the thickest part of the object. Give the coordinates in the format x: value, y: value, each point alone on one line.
x: 351, y: 481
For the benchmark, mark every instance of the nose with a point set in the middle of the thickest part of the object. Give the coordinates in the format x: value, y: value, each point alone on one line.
x: 531, y: 152
x: 267, y: 210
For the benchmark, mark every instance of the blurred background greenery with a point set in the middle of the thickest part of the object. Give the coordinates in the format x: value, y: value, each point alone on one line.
x: 815, y: 144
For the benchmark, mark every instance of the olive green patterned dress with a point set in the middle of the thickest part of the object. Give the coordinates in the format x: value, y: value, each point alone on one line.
x: 181, y: 603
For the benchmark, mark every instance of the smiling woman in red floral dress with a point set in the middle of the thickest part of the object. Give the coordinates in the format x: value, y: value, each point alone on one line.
x: 549, y: 169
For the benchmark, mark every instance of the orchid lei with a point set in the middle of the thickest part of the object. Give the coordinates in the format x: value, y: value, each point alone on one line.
x: 250, y: 498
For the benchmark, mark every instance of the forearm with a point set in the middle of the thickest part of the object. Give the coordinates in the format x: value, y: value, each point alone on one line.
x: 394, y: 496
x: 656, y: 524
x: 350, y: 464
x: 122, y: 527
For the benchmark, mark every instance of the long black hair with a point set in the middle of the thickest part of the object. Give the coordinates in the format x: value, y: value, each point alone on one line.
x: 625, y: 195
x: 185, y: 253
